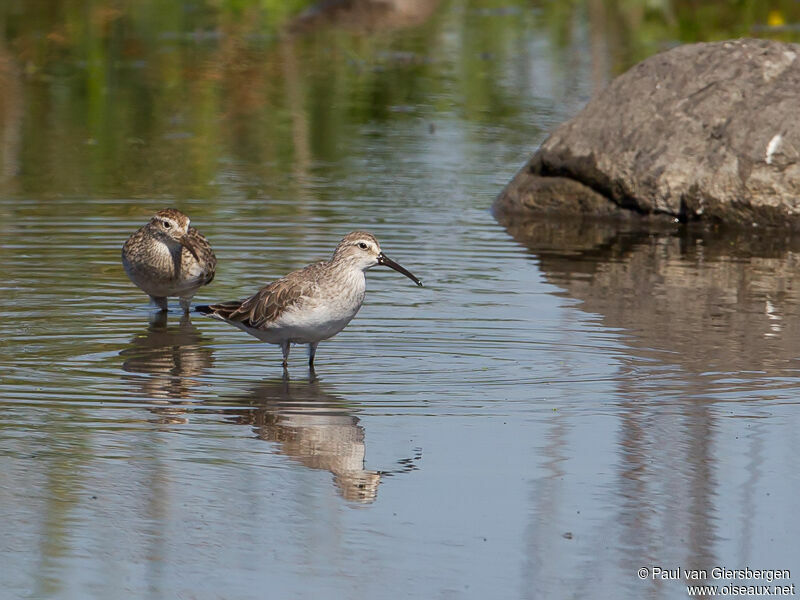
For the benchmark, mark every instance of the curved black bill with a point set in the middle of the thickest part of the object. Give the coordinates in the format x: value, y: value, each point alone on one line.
x: 385, y: 260
x: 186, y: 242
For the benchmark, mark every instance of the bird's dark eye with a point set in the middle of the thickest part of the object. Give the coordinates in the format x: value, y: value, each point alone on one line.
x: 362, y: 245
x: 167, y: 224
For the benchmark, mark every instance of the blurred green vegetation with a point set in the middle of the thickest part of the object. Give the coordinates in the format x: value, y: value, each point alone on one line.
x: 142, y: 98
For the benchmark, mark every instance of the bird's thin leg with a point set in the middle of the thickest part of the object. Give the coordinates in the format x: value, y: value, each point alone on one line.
x: 161, y: 303
x: 285, y: 346
x: 186, y: 304
x: 312, y: 351
x: 158, y: 320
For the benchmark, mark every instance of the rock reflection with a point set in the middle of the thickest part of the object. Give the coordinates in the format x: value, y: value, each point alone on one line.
x: 314, y: 428
x: 165, y: 362
x: 707, y: 324
x: 707, y: 300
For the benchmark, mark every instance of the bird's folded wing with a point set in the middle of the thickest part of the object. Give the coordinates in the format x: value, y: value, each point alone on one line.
x: 267, y: 305
x: 205, y: 255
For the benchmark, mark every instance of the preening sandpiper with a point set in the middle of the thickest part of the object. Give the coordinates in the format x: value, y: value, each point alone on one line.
x: 168, y: 258
x: 312, y: 304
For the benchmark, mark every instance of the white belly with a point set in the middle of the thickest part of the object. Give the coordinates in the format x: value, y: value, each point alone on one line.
x: 313, y: 324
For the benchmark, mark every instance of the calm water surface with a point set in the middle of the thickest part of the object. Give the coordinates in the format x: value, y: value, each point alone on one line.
x: 562, y: 404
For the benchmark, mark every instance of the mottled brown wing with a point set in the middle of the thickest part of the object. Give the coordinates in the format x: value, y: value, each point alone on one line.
x: 133, y: 242
x: 205, y: 255
x: 266, y: 305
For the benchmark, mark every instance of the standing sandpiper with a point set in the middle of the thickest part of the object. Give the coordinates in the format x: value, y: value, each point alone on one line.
x: 312, y: 304
x: 166, y: 258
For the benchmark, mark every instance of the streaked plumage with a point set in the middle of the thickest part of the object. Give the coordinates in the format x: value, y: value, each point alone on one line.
x: 168, y: 258
x: 312, y: 304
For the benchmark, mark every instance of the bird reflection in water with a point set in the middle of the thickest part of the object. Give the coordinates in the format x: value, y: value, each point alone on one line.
x: 165, y: 363
x: 317, y: 430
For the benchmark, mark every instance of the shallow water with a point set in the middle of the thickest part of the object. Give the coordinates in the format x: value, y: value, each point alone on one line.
x: 560, y: 405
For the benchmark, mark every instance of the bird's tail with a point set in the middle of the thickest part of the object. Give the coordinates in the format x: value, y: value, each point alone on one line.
x: 222, y: 310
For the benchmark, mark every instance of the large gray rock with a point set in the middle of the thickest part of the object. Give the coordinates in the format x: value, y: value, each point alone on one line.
x: 703, y: 131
